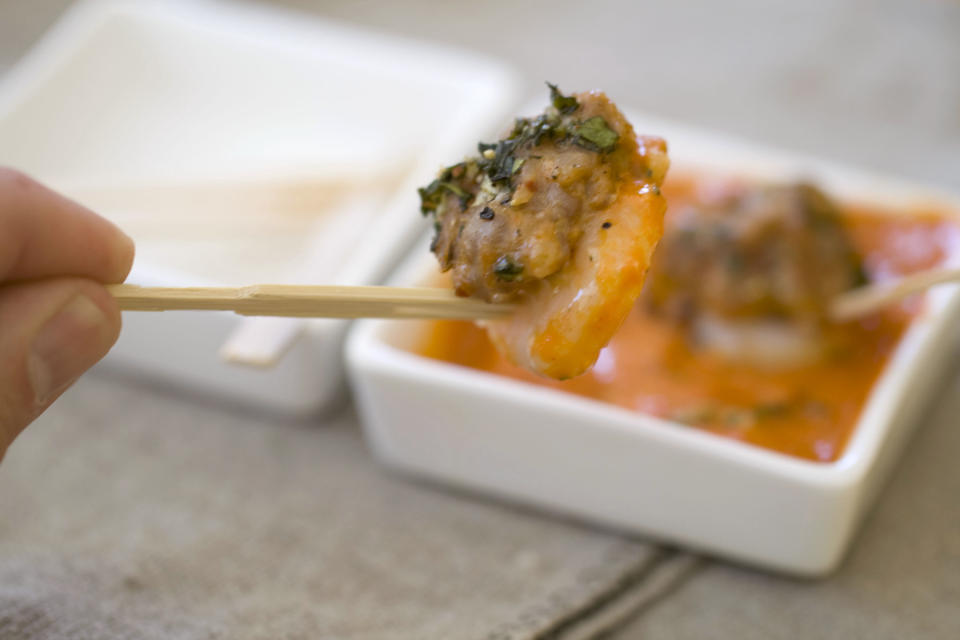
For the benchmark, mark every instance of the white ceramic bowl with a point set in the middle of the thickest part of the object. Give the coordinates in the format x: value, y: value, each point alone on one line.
x: 136, y: 96
x: 639, y: 473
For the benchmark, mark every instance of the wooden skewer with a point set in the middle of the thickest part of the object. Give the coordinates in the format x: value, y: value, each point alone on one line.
x: 864, y: 300
x: 315, y: 301
x: 327, y: 301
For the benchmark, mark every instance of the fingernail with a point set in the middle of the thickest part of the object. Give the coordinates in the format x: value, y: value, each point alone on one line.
x: 66, y: 346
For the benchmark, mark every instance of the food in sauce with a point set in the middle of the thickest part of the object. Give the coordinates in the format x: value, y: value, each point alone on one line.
x: 809, y: 411
x: 752, y: 275
x: 559, y: 217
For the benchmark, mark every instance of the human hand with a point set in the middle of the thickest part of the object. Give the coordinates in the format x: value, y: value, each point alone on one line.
x: 56, y: 318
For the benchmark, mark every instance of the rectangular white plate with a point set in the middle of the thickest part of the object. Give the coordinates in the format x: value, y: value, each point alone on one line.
x: 639, y: 473
x: 124, y: 103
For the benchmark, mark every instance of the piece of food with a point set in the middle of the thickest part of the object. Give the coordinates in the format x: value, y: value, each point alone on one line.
x: 753, y: 275
x: 560, y: 217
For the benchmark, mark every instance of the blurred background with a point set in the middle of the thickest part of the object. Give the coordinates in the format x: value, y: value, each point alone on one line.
x: 875, y: 83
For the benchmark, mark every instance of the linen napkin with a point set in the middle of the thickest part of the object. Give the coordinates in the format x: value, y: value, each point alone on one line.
x: 131, y: 513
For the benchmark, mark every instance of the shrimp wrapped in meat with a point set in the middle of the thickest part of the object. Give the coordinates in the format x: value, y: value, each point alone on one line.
x: 753, y: 275
x: 561, y: 218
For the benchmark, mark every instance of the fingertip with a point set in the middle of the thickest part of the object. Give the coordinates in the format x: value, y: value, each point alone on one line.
x: 45, y: 234
x: 117, y: 249
x: 124, y: 255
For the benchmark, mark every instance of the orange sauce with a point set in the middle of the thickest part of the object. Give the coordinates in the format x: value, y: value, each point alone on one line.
x: 808, y: 412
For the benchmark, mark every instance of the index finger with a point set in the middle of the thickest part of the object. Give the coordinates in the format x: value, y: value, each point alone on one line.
x: 43, y: 234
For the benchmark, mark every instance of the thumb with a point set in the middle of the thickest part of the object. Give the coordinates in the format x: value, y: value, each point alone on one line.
x: 51, y: 331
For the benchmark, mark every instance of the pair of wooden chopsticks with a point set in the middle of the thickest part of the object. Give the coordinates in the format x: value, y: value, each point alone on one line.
x: 418, y: 302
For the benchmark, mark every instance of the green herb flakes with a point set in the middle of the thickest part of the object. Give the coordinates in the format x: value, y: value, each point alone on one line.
x: 432, y: 195
x: 595, y: 134
x: 563, y: 104
x: 496, y: 163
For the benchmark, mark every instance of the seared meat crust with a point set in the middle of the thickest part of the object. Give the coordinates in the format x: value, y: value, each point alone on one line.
x: 502, y: 238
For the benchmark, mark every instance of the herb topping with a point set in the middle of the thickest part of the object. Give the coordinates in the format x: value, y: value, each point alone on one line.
x: 497, y: 163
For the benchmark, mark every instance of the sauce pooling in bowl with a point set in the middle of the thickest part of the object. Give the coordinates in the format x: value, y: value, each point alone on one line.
x: 809, y: 411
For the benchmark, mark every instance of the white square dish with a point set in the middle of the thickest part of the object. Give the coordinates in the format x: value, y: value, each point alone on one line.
x: 640, y: 473
x: 122, y: 104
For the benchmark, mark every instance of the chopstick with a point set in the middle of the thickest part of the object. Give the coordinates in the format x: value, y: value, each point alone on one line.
x: 865, y: 300
x: 309, y: 301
